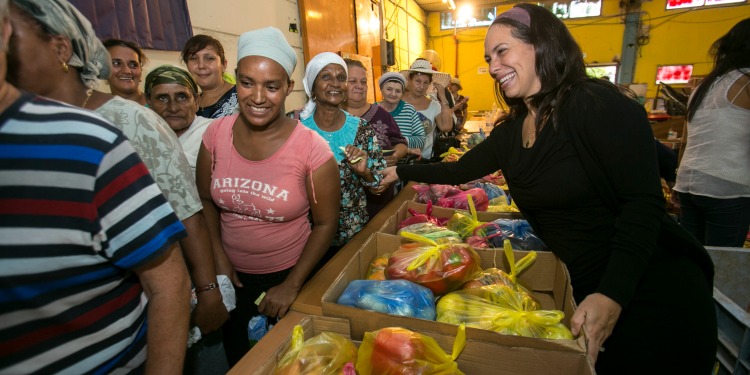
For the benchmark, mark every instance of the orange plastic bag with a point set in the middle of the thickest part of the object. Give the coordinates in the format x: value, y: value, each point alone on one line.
x: 399, y: 351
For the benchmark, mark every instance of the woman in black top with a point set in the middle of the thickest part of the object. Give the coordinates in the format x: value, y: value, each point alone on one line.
x: 581, y: 165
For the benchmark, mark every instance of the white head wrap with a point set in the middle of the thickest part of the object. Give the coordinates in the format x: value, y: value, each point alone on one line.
x: 314, y: 67
x: 268, y: 42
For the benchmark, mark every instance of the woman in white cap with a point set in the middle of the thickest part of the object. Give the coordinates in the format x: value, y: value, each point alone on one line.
x: 352, y: 140
x: 392, y: 87
x: 259, y: 175
x: 436, y: 114
x: 460, y: 108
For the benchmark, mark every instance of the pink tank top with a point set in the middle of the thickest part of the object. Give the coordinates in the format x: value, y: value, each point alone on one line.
x: 263, y: 204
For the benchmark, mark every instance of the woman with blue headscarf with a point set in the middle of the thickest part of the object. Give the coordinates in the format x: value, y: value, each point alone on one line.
x: 352, y: 140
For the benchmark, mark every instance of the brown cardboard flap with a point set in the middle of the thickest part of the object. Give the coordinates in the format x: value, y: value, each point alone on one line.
x: 547, y: 278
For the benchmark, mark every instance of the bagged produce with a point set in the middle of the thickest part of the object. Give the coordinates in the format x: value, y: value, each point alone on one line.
x: 429, y: 230
x: 441, y: 267
x: 495, y: 276
x: 519, y: 232
x: 433, y: 192
x: 418, y: 218
x: 324, y: 354
x: 501, y: 309
x: 467, y: 225
x: 458, y: 199
x: 395, y: 297
x: 376, y: 271
x: 399, y: 351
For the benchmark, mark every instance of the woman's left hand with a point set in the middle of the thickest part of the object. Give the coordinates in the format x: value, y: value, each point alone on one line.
x: 357, y: 159
x: 277, y: 300
x: 597, y: 314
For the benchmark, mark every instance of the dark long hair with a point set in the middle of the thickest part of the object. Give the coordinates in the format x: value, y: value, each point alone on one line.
x: 559, y: 63
x: 730, y: 52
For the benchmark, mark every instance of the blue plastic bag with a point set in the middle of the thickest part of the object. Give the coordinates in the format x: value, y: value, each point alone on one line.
x: 519, y: 232
x: 395, y: 297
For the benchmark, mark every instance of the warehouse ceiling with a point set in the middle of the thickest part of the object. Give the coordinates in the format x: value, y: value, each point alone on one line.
x: 440, y: 6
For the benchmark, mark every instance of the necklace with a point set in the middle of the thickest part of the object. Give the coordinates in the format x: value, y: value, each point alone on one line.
x: 88, y: 95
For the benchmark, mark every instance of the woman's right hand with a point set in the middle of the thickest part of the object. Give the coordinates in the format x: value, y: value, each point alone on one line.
x: 389, y: 176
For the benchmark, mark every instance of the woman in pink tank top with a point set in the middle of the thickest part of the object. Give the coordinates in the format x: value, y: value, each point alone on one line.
x: 261, y: 177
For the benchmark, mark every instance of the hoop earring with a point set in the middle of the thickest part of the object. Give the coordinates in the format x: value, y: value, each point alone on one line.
x: 314, y: 98
x: 65, y: 66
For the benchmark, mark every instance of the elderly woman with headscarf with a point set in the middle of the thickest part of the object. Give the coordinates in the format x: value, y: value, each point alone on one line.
x: 51, y: 39
x: 392, y: 87
x: 259, y: 174
x: 172, y: 93
x: 352, y: 140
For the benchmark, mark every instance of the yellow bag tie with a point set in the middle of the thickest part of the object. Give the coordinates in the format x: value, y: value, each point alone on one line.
x: 298, y: 337
x: 460, y: 342
x: 434, y: 251
x: 516, y: 268
x: 453, y: 151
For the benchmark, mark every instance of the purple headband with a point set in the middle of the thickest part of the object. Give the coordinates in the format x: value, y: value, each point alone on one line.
x: 517, y: 14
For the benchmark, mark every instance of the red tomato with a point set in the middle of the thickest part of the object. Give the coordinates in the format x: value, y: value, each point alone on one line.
x: 394, y: 349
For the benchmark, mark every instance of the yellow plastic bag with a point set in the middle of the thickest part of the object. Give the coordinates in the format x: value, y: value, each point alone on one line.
x: 493, y: 276
x: 324, y: 354
x: 502, y: 309
x: 399, y: 351
x: 500, y: 204
x: 465, y: 225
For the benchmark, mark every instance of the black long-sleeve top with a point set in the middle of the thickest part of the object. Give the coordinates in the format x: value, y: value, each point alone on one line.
x: 606, y: 250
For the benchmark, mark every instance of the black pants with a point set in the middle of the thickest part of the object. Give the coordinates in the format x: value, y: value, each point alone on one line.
x: 234, y: 331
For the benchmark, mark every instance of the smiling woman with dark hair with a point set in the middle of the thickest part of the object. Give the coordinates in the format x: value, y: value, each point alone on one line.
x: 127, y: 69
x: 580, y: 162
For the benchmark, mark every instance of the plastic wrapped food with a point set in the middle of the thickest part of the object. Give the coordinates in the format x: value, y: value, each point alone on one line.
x: 466, y: 225
x: 376, y: 271
x: 440, y: 267
x: 325, y: 354
x: 417, y: 218
x: 395, y: 297
x: 501, y: 309
x: 399, y: 351
x: 495, y: 276
x: 433, y: 192
x: 429, y: 230
x: 458, y: 199
x: 519, y: 232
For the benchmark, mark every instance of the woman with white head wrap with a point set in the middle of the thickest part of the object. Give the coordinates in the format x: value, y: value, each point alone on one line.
x: 259, y: 174
x: 56, y: 53
x: 352, y: 140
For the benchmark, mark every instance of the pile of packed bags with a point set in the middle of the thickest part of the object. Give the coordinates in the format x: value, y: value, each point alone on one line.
x: 444, y: 281
x: 467, y: 228
x: 391, y: 350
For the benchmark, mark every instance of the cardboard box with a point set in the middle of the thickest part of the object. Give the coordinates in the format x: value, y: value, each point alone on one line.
x: 547, y: 278
x: 732, y: 299
x: 477, y: 358
x: 391, y: 225
x: 265, y: 355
